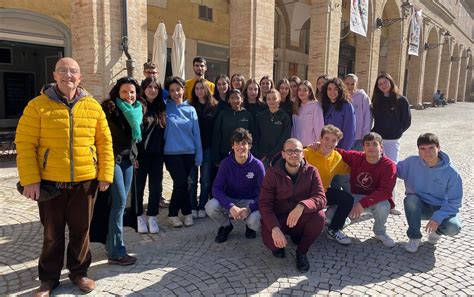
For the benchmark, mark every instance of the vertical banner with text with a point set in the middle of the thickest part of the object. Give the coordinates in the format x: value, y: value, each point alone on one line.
x: 359, y: 16
x: 414, y: 37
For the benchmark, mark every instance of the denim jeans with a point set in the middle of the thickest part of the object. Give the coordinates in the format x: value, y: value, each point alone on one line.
x: 220, y: 215
x: 379, y: 212
x: 119, y: 189
x: 151, y: 165
x: 391, y: 147
x: 205, y: 180
x: 417, y: 210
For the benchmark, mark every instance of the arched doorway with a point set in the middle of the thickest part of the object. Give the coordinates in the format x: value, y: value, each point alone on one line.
x: 454, y: 77
x: 30, y: 43
x: 431, y: 65
x: 390, y: 52
x: 444, y: 70
x: 462, y: 76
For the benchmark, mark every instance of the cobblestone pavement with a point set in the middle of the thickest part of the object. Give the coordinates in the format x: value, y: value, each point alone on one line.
x: 186, y: 261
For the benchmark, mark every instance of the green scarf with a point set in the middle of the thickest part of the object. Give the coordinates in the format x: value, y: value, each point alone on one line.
x: 134, y: 115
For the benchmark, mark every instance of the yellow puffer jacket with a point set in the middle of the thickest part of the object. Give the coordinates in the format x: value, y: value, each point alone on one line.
x: 60, y: 144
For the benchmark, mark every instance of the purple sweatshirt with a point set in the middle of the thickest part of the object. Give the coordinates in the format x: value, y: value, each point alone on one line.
x: 363, y: 115
x: 344, y: 119
x: 307, y: 124
x: 236, y: 181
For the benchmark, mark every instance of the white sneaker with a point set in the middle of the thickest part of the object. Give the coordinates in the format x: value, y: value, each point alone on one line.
x: 433, y: 237
x: 141, y: 224
x: 386, y: 240
x: 338, y: 236
x: 395, y: 212
x: 202, y: 213
x: 175, y: 222
x: 153, y: 225
x: 188, y: 220
x: 194, y: 213
x: 412, y: 245
x: 347, y: 222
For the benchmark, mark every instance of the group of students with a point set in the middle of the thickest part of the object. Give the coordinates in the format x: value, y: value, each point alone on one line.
x: 194, y: 131
x: 276, y: 174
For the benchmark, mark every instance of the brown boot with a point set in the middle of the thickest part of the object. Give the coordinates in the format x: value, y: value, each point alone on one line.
x: 84, y: 283
x: 46, y: 287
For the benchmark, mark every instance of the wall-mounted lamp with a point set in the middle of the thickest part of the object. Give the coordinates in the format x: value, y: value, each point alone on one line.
x: 406, y: 8
x: 435, y: 45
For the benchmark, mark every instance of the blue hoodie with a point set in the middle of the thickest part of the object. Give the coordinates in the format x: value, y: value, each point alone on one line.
x: 182, y: 135
x: 440, y: 185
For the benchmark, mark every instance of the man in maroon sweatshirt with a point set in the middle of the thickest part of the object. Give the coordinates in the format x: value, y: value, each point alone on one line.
x: 291, y: 202
x: 372, y: 179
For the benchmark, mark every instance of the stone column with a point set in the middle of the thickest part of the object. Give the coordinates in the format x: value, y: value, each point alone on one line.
x: 96, y: 29
x: 325, y: 33
x: 251, y: 38
x: 454, y: 82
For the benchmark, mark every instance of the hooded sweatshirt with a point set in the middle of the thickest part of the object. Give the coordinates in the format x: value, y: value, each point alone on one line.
x: 363, y: 115
x: 272, y: 130
x: 344, y: 119
x: 307, y: 124
x: 440, y: 185
x: 392, y: 121
x: 238, y: 181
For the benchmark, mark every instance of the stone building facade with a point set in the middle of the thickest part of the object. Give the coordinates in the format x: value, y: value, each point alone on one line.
x: 252, y: 37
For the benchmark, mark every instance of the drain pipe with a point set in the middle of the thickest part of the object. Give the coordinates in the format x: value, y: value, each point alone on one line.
x: 130, y: 63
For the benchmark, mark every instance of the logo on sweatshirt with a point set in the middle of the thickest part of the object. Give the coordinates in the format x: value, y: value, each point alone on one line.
x: 244, y: 120
x: 365, y: 180
x: 250, y: 175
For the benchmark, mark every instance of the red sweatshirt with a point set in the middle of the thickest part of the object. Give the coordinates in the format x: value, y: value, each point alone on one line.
x: 375, y: 181
x: 279, y: 195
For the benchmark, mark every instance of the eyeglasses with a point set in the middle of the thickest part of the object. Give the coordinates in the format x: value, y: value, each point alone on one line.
x: 65, y: 70
x: 293, y: 152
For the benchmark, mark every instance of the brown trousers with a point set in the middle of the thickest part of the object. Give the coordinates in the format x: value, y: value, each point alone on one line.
x: 308, y: 228
x: 74, y: 208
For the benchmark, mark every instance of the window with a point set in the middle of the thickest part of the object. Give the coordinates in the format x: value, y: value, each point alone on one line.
x: 205, y: 13
x: 5, y: 56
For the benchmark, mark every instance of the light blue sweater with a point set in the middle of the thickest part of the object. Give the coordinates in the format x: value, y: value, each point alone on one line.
x: 440, y: 185
x: 182, y: 134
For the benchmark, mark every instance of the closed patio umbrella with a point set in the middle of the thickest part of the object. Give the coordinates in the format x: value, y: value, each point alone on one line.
x: 177, y: 52
x: 159, y: 51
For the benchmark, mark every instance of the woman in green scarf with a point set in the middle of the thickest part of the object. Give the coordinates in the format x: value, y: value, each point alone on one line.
x: 124, y: 115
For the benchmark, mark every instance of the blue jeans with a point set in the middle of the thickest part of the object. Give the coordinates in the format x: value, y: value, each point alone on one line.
x: 417, y: 210
x: 119, y: 190
x: 379, y: 211
x: 205, y: 180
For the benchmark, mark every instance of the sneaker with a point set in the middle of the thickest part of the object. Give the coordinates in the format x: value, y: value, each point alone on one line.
x: 124, y: 261
x: 46, y: 287
x: 249, y: 233
x: 386, y: 240
x: 302, y: 263
x: 433, y: 237
x: 153, y: 225
x: 188, y: 220
x: 395, y: 212
x: 194, y: 213
x: 202, y: 214
x: 280, y: 253
x: 412, y: 245
x: 84, y: 283
x: 141, y: 224
x: 222, y: 233
x: 175, y: 222
x: 338, y: 236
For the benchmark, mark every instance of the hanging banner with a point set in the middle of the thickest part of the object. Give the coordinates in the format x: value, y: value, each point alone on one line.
x: 414, y: 37
x: 359, y: 16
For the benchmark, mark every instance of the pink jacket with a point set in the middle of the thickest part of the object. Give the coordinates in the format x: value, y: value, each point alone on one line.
x: 308, y: 123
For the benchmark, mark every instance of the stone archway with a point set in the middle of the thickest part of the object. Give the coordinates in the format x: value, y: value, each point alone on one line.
x: 431, y: 69
x: 454, y: 77
x: 390, y: 52
x: 462, y: 77
x: 445, y: 70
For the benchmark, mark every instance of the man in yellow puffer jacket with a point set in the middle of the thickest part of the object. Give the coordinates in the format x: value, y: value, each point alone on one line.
x: 63, y: 141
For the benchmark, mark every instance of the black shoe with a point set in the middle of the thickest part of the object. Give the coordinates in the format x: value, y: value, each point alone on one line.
x: 280, y: 253
x: 249, y: 233
x: 302, y: 263
x: 295, y: 239
x: 223, y: 233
